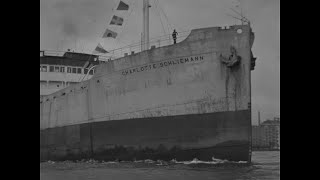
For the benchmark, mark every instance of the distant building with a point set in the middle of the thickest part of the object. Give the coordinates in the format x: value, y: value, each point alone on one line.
x: 267, y: 135
x: 259, y: 139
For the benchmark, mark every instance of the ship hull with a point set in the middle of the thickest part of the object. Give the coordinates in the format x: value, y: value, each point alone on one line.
x: 183, y: 101
x: 221, y: 135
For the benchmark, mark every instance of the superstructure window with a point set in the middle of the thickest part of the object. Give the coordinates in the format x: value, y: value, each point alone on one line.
x: 91, y: 72
x: 74, y: 70
x: 61, y: 69
x: 56, y: 69
x: 68, y: 69
x: 85, y: 71
x: 51, y: 68
x: 79, y: 71
x: 44, y: 68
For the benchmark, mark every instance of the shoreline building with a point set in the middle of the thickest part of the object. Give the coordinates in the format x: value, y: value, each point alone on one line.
x: 267, y: 135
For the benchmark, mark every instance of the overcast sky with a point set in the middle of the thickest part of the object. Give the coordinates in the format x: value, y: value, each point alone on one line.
x: 79, y: 25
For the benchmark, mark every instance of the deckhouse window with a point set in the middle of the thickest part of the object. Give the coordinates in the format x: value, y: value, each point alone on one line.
x: 91, y: 72
x: 51, y: 68
x: 79, y: 70
x: 74, y: 70
x: 44, y: 68
x: 68, y: 69
x: 56, y: 69
x: 61, y: 69
x: 85, y: 71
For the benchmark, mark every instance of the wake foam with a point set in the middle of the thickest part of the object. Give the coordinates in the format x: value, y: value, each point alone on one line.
x: 158, y: 162
x: 214, y: 161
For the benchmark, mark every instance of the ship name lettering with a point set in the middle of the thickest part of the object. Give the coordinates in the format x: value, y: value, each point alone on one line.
x: 162, y: 64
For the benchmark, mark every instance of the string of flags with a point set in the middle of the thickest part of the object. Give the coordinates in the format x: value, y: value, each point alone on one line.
x: 123, y: 6
x: 116, y: 21
x: 100, y: 49
x: 108, y: 33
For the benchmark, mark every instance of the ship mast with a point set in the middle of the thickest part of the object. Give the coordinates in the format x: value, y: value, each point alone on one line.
x: 145, y: 42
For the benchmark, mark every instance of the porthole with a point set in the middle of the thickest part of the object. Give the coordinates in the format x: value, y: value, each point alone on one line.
x: 239, y: 31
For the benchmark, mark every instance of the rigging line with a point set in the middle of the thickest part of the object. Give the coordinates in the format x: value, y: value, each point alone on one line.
x: 120, y: 34
x: 138, y: 44
x: 115, y: 4
x: 236, y: 17
x: 154, y: 38
x: 164, y: 15
x: 168, y: 23
x: 108, y: 25
x: 158, y: 13
x: 242, y: 17
x: 160, y: 37
x: 102, y: 40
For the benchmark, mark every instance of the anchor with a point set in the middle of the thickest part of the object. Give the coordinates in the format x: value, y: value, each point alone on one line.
x: 232, y: 60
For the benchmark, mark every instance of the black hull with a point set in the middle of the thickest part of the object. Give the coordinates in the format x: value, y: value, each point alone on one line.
x: 222, y: 135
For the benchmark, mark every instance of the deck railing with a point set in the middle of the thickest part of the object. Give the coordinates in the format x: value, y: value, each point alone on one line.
x: 128, y: 49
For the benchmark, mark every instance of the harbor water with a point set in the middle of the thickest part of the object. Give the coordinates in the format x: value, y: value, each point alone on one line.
x: 265, y: 165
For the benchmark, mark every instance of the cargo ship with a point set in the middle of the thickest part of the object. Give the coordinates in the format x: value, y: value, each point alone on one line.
x: 182, y: 101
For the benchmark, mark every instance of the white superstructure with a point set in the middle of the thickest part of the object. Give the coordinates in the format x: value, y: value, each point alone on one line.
x: 59, y: 71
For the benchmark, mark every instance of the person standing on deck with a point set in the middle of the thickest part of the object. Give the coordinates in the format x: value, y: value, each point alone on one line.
x: 174, y: 36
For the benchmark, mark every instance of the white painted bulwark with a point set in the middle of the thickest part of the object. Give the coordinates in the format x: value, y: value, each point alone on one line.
x: 51, y: 82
